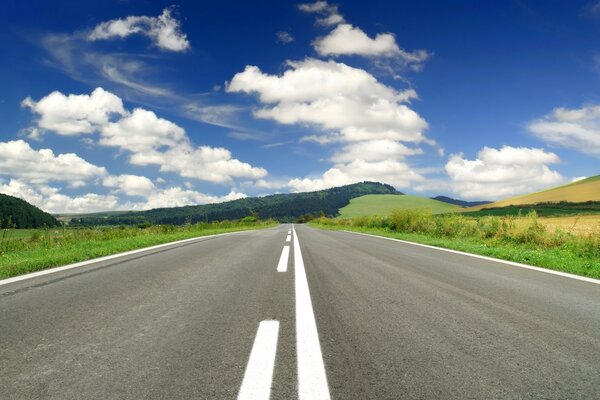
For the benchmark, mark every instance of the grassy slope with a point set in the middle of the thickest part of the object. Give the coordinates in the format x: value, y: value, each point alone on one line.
x: 20, y: 254
x: 580, y: 191
x: 384, y: 204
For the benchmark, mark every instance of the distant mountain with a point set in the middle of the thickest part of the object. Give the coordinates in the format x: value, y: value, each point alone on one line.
x: 461, y: 203
x: 577, y: 192
x: 17, y: 213
x: 283, y: 207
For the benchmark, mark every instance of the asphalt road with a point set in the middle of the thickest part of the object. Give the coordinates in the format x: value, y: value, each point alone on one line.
x: 344, y: 317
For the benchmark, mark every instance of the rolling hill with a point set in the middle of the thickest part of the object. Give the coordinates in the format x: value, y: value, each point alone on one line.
x: 576, y: 192
x: 461, y: 203
x: 283, y: 207
x: 384, y: 204
x: 17, y: 213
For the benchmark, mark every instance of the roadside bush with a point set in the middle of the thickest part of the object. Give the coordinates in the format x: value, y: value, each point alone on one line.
x: 416, y: 221
x: 166, y: 228
x: 488, y: 229
x: 452, y: 225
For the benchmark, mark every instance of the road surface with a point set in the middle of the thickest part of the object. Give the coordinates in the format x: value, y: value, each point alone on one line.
x: 336, y: 315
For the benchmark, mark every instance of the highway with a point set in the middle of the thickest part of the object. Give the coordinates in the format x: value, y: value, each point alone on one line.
x: 295, y: 312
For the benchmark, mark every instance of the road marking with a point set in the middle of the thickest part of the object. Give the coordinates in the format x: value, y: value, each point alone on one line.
x: 312, y: 380
x: 283, y: 260
x: 288, y: 238
x: 289, y: 231
x: 106, y: 258
x: 512, y: 263
x: 259, y: 371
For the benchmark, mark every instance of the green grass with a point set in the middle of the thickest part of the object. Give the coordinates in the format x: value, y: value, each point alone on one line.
x: 36, y: 249
x: 527, y: 242
x: 384, y: 204
x: 11, y: 234
x: 542, y: 209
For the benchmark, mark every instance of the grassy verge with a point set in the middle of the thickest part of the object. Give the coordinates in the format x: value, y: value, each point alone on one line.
x: 542, y: 209
x: 495, y: 237
x: 42, y: 249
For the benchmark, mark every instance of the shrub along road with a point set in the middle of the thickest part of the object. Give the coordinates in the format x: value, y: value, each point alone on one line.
x: 351, y: 317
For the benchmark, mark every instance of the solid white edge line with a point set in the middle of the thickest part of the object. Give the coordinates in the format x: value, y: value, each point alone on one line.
x: 512, y: 263
x: 258, y: 377
x: 283, y: 260
x: 312, y: 380
x: 110, y: 257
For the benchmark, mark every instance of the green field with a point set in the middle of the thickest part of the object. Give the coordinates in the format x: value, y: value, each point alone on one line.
x: 542, y: 209
x: 384, y: 204
x: 29, y: 250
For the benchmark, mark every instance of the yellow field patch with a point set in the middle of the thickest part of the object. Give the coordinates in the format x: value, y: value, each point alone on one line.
x: 580, y: 191
x: 575, y: 224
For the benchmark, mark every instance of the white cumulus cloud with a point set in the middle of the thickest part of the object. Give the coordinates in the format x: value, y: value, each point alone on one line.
x: 149, y: 139
x: 502, y: 173
x: 131, y: 185
x: 75, y: 114
x: 346, y: 39
x: 346, y: 105
x: 177, y: 197
x: 163, y: 30
x: 51, y: 200
x: 142, y: 132
x: 373, y: 150
x: 573, y: 128
x: 335, y: 98
x: 395, y: 173
x: 19, y: 160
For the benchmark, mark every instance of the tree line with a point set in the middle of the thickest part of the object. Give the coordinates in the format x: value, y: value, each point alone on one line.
x: 289, y: 207
x: 17, y: 213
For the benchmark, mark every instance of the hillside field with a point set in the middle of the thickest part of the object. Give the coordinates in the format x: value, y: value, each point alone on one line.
x: 576, y: 192
x: 384, y: 204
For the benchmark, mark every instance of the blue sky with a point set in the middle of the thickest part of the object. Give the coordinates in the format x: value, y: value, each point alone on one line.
x: 142, y: 104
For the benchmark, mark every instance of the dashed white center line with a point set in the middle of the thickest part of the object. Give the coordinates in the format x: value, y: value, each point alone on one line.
x: 288, y: 238
x: 283, y: 260
x: 312, y: 380
x: 258, y: 377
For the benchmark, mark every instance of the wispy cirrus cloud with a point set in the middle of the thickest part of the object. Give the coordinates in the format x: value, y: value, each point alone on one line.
x: 131, y: 72
x: 329, y: 14
x: 284, y: 37
x: 577, y: 128
x: 135, y: 75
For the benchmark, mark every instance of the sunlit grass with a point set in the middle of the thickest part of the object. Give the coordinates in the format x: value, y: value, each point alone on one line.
x: 524, y: 240
x: 23, y: 251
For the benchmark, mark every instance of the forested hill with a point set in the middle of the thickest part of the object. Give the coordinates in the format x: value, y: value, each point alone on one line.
x: 461, y: 203
x: 17, y: 213
x: 283, y: 207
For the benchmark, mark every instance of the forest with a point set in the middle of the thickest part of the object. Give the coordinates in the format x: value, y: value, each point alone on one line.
x: 289, y: 207
x: 17, y: 213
